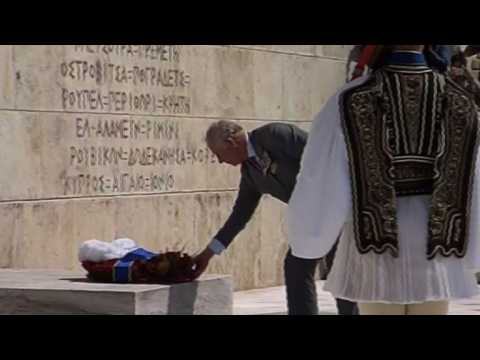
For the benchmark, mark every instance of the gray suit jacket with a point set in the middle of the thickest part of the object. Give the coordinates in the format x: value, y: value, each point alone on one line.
x: 279, y: 148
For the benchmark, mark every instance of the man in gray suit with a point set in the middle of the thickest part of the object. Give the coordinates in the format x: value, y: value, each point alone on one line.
x: 270, y: 161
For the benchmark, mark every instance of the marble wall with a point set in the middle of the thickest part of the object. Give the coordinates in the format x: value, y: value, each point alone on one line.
x: 107, y: 141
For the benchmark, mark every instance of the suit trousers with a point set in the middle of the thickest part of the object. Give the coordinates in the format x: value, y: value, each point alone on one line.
x: 301, y: 288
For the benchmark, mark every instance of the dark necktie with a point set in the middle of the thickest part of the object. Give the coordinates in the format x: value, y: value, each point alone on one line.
x: 253, y: 161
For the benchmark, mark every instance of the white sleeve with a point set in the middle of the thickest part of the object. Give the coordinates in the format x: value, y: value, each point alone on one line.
x: 473, y: 245
x: 321, y: 201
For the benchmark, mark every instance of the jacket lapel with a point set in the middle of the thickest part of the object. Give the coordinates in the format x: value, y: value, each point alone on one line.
x: 263, y: 158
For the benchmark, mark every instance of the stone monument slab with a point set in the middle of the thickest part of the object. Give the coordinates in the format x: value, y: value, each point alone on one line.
x: 47, y: 292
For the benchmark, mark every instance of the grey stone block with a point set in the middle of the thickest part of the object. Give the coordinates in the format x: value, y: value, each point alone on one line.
x: 37, y: 292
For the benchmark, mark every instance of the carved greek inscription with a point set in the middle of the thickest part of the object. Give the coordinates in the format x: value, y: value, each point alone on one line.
x: 124, y: 101
x: 126, y: 182
x: 126, y: 79
x: 162, y: 53
x: 115, y: 154
x: 116, y: 73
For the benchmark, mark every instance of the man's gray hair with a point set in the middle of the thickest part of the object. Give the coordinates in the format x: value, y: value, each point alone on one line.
x: 220, y: 131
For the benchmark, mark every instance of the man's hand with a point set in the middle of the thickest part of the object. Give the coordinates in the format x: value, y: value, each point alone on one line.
x: 201, y: 261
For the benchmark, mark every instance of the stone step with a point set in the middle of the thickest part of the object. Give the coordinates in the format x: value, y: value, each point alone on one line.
x: 272, y: 301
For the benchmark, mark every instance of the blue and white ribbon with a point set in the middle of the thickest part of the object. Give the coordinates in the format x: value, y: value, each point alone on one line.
x: 122, y: 270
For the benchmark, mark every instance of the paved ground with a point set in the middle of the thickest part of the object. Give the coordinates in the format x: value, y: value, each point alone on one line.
x: 271, y: 301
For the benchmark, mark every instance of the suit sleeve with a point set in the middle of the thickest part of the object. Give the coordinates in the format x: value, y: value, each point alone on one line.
x: 285, y: 140
x: 245, y: 205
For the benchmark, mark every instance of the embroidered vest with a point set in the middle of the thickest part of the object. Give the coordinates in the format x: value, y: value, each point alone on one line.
x: 410, y: 131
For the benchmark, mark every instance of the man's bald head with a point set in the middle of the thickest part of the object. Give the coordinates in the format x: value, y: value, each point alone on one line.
x: 219, y: 132
x: 227, y: 140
